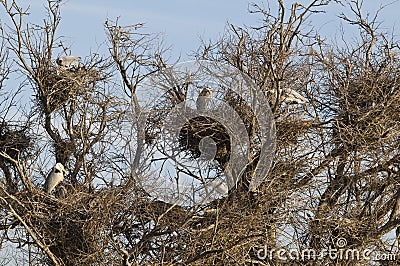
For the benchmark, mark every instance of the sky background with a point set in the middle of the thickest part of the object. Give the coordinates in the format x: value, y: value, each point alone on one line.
x: 181, y: 22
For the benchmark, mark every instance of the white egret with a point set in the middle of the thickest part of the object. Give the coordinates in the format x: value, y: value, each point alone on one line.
x: 55, y: 177
x: 204, y: 99
x: 67, y: 61
x: 289, y: 96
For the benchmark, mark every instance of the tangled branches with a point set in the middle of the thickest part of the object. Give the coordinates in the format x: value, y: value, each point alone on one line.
x: 59, y: 86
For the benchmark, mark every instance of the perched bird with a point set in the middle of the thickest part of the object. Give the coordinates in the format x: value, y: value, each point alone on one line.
x: 204, y: 99
x: 289, y: 96
x: 54, y: 178
x: 67, y: 61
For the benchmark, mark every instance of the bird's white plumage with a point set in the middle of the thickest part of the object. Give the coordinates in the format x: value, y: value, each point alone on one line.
x: 67, y: 61
x: 218, y: 187
x: 55, y: 177
x: 204, y: 99
x: 290, y: 96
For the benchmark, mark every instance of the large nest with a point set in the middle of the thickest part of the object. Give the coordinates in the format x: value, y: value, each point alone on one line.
x: 75, y: 227
x: 199, y: 128
x: 369, y: 109
x: 80, y: 229
x: 14, y: 140
x: 72, y: 231
x: 336, y: 228
x: 290, y: 131
x: 58, y: 86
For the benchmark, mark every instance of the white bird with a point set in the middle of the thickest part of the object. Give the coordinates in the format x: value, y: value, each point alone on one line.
x: 55, y: 177
x: 204, y: 99
x: 67, y: 61
x: 217, y: 187
x: 289, y: 96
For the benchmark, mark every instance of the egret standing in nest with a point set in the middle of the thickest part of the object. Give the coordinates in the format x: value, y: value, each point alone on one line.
x: 55, y: 177
x: 289, y: 96
x: 67, y: 61
x: 204, y: 99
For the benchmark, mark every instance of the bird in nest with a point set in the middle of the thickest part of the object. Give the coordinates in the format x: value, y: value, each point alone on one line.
x: 289, y: 96
x: 67, y: 61
x: 204, y: 99
x: 55, y: 177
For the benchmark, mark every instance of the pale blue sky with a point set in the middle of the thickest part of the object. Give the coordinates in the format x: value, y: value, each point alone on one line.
x: 180, y: 22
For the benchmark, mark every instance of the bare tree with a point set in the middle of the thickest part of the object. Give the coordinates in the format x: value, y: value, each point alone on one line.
x: 335, y: 173
x: 336, y: 167
x: 77, y: 110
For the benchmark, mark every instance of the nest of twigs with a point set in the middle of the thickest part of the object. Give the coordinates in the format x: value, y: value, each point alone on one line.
x: 77, y: 228
x: 289, y: 131
x: 202, y: 127
x: 14, y: 140
x: 73, y: 227
x: 369, y: 109
x: 341, y: 228
x: 199, y: 128
x: 58, y: 86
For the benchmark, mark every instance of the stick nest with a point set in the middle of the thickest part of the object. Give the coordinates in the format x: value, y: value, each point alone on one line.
x: 58, y: 86
x: 14, y: 140
x: 202, y: 127
x: 369, y: 109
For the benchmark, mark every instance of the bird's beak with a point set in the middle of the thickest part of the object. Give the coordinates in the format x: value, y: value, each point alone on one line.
x: 64, y: 171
